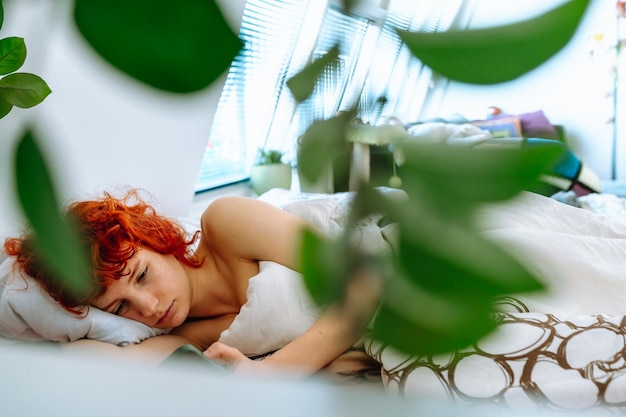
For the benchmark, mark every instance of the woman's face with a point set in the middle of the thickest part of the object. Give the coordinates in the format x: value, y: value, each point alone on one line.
x: 155, y: 291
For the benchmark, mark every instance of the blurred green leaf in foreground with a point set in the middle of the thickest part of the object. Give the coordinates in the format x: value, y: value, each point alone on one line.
x: 176, y: 46
x: 498, y: 54
x: 56, y: 240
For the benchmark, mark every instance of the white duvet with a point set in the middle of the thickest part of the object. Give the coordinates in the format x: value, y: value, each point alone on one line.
x: 579, y: 255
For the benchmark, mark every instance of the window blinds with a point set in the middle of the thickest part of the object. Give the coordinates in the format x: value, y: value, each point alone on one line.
x: 374, y: 70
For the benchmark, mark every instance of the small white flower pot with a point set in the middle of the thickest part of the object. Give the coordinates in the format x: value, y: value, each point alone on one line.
x: 265, y: 177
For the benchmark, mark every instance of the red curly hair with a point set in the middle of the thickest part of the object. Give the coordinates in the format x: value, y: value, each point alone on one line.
x: 113, y: 230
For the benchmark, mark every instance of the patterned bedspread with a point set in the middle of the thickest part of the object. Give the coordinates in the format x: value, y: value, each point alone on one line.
x: 533, y: 362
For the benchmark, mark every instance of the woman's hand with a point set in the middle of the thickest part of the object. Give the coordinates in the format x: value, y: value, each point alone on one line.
x: 226, y: 355
x: 235, y: 361
x: 239, y: 364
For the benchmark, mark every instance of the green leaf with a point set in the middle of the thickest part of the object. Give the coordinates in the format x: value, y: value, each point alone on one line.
x: 323, y: 267
x: 323, y: 141
x: 447, y: 276
x: 1, y: 14
x: 446, y: 257
x: 457, y: 177
x: 12, y: 54
x: 499, y: 54
x: 23, y: 89
x: 349, y: 5
x: 176, y: 46
x: 414, y: 322
x: 5, y: 108
x: 303, y: 83
x: 55, y: 236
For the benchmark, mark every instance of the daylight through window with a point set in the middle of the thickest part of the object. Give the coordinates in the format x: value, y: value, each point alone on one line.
x: 375, y: 70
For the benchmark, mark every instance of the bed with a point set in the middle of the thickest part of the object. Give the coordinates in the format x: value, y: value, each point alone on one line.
x: 562, y: 350
x: 547, y: 353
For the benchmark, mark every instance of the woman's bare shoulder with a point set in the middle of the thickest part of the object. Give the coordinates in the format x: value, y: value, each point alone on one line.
x: 227, y: 202
x: 251, y: 229
x: 237, y: 211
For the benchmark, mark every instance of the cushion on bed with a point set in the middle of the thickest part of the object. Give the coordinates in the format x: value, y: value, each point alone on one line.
x: 536, y: 125
x: 567, y: 173
x: 531, y: 125
x: 501, y: 127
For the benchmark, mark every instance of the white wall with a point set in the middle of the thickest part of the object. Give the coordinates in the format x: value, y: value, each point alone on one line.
x: 101, y: 129
x: 571, y: 88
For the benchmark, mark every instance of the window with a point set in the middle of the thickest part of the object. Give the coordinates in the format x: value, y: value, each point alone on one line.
x: 256, y: 108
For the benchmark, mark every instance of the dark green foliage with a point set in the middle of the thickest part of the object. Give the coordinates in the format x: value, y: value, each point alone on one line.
x: 177, y: 46
x: 447, y: 175
x: 269, y: 157
x: 445, y: 274
x: 303, y: 83
x: 12, y: 54
x: 495, y: 55
x: 324, y: 140
x: 55, y: 237
x: 414, y: 324
x: 23, y: 89
x: 18, y: 89
x: 5, y: 108
x: 324, y: 268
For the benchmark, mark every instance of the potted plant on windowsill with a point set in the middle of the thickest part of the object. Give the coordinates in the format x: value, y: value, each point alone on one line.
x: 269, y: 171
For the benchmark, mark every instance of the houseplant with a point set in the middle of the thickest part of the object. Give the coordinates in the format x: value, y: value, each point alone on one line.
x: 270, y: 171
x: 17, y: 89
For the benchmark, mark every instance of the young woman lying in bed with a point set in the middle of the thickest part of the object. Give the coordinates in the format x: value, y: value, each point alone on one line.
x: 247, y: 244
x: 148, y: 269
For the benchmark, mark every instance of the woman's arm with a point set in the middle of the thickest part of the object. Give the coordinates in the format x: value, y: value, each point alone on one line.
x: 259, y: 231
x: 151, y: 352
x: 325, y: 340
x: 154, y: 350
x: 334, y: 332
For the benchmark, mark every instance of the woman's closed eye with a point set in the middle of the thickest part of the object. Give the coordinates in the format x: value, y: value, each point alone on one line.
x: 121, y: 307
x: 142, y: 275
x: 123, y: 304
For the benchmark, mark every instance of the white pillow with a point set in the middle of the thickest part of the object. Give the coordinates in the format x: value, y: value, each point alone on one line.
x: 28, y: 312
